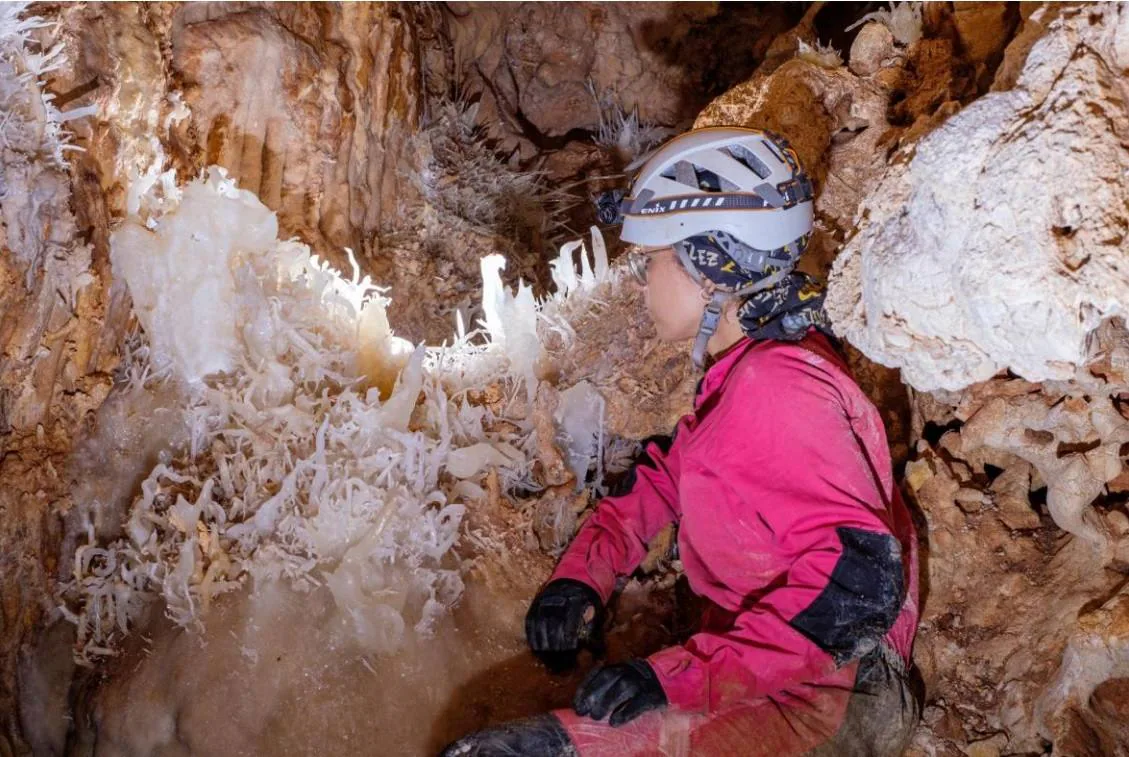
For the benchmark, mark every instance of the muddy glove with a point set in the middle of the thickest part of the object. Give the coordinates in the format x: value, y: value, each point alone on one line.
x: 625, y: 691
x: 543, y: 736
x: 625, y: 484
x: 566, y: 615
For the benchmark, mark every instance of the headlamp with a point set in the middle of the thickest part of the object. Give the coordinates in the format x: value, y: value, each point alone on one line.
x: 608, y: 204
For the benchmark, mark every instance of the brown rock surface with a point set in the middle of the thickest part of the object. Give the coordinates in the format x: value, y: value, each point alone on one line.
x: 322, y: 141
x: 1000, y: 605
x: 984, y: 28
x: 296, y: 102
x: 1084, y: 711
x: 310, y: 107
x: 58, y: 350
x: 318, y: 127
x: 1007, y: 644
x: 665, y: 59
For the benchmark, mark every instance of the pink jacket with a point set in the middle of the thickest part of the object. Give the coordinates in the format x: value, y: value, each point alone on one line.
x: 788, y: 520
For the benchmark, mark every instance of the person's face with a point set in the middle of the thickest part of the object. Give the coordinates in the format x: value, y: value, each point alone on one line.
x: 673, y: 298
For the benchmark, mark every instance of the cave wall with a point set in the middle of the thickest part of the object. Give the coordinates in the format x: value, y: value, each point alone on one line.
x: 541, y: 68
x: 308, y: 106
x: 58, y: 352
x: 322, y: 141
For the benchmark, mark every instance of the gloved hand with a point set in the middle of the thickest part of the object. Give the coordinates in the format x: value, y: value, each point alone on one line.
x: 626, y: 483
x: 543, y: 736
x: 564, y: 616
x: 626, y: 691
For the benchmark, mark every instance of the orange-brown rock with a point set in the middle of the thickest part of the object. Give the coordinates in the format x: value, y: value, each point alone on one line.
x: 310, y: 106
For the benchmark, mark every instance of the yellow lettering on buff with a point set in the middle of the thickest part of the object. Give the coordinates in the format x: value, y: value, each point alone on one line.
x: 809, y: 290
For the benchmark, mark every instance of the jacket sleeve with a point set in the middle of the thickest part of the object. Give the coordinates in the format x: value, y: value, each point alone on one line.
x: 613, y: 541
x: 793, y: 462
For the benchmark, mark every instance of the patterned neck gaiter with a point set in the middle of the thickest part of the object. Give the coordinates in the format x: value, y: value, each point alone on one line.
x: 783, y: 311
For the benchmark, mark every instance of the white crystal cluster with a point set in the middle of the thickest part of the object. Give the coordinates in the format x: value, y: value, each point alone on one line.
x: 323, y: 449
x: 999, y: 240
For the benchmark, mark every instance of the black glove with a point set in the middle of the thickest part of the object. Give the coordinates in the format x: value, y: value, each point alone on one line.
x: 543, y: 736
x: 627, y: 482
x: 626, y: 691
x: 564, y: 616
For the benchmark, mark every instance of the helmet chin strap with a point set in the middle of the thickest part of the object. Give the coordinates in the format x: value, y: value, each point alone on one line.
x: 711, y: 316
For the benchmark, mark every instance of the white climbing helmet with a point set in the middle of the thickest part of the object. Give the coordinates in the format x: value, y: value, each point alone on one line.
x: 745, y: 182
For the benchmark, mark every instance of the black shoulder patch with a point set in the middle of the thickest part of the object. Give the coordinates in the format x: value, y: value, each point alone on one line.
x: 861, y: 601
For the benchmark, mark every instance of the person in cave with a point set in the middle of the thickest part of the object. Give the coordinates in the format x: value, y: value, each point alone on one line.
x: 790, y: 525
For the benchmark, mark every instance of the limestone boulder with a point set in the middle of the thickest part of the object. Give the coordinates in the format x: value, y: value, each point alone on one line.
x: 998, y: 241
x: 1084, y: 710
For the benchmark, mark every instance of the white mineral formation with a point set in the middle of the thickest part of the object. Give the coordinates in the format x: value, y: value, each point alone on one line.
x: 1096, y: 658
x: 999, y: 240
x: 322, y: 448
x: 210, y: 229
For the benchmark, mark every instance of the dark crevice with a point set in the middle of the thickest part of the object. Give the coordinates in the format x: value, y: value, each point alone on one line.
x: 77, y: 92
x: 1012, y: 20
x: 932, y: 432
x: 992, y: 472
x: 721, y: 50
x: 1076, y: 448
x: 831, y: 22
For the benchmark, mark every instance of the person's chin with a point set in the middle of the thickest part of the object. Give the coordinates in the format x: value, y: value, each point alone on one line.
x: 665, y: 333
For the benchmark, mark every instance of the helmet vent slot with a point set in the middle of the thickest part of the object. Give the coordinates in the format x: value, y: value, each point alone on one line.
x: 749, y: 160
x: 708, y: 181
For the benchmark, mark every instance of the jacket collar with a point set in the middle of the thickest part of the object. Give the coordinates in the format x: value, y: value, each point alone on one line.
x: 719, y: 371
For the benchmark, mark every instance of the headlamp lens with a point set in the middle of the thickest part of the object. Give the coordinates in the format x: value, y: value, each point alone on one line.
x: 608, y: 209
